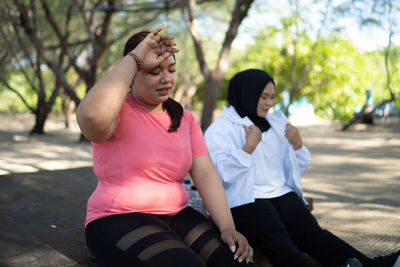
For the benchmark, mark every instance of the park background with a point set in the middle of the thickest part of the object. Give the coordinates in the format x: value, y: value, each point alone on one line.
x: 326, y: 52
x: 324, y: 55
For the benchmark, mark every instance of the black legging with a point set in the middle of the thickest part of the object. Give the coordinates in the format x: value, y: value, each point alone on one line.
x: 284, y: 228
x: 137, y: 239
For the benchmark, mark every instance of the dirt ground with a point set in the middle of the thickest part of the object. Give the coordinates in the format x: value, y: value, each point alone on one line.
x: 354, y: 177
x: 57, y: 149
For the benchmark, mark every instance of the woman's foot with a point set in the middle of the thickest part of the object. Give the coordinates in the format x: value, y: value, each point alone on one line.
x: 352, y: 262
x: 397, y: 263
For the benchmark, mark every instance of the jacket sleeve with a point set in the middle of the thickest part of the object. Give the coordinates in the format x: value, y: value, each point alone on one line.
x: 225, y: 141
x: 303, y: 157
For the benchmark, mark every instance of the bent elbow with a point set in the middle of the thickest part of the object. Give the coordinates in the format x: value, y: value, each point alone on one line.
x: 85, y: 116
x: 93, y: 127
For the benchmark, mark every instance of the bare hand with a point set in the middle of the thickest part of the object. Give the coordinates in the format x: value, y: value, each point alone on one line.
x: 155, y: 48
x: 253, y: 137
x: 238, y: 245
x: 293, y: 136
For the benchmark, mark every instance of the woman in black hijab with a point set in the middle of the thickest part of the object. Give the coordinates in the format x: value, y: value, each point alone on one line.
x: 260, y: 156
x: 246, y: 101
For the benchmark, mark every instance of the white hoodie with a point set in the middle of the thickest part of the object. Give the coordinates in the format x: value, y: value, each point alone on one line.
x: 225, y: 138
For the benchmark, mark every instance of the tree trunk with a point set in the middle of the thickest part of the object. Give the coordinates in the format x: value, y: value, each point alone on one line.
x: 41, y: 114
x: 212, y: 89
x: 214, y: 78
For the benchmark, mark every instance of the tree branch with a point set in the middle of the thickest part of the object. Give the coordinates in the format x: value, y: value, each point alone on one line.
x: 4, y: 81
x: 239, y: 13
x: 61, y: 38
x: 192, y: 25
x: 314, y: 46
x: 43, y: 53
x: 360, y: 116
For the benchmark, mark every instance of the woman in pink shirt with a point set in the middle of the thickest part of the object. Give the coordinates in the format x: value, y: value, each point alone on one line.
x: 144, y: 144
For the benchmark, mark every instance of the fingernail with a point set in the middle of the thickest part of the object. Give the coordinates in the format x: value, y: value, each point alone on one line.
x: 233, y: 248
x: 247, y: 260
x: 240, y: 260
x: 235, y: 257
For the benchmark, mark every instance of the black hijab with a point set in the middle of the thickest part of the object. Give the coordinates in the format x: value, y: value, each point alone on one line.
x: 244, y: 91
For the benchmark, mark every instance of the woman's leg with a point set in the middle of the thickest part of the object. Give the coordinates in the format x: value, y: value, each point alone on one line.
x: 306, y: 233
x: 138, y: 239
x: 261, y: 224
x: 204, y: 238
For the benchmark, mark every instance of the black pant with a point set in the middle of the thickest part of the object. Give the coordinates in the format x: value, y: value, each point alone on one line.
x: 137, y: 239
x: 284, y: 228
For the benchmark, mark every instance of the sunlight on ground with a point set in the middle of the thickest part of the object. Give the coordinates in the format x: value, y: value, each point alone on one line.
x: 57, y: 149
x: 368, y: 226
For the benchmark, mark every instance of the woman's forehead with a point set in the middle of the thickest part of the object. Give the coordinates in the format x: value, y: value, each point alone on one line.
x: 168, y: 61
x: 269, y: 89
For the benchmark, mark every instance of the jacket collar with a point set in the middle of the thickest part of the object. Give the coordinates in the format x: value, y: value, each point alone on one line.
x: 231, y: 114
x: 277, y: 119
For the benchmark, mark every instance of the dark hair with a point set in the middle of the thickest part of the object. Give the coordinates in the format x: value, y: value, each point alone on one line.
x: 173, y: 108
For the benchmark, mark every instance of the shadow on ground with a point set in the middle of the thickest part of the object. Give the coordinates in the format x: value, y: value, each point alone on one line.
x: 42, y: 218
x: 354, y: 179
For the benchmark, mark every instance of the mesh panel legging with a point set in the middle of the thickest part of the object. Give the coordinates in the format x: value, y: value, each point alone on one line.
x: 137, y: 239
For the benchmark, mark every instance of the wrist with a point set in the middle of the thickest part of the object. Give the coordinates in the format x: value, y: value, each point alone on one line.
x: 137, y: 60
x: 298, y: 146
x: 228, y: 229
x: 248, y: 149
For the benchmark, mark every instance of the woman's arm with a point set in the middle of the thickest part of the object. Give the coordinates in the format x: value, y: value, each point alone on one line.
x: 97, y: 113
x: 229, y: 151
x: 205, y: 177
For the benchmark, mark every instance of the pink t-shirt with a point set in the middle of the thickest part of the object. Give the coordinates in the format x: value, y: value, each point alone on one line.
x: 142, y: 166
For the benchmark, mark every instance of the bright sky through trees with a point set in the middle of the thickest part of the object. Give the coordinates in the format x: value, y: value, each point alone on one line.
x: 369, y: 38
x: 268, y: 13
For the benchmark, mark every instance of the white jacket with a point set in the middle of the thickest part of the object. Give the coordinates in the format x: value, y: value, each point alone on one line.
x: 225, y: 138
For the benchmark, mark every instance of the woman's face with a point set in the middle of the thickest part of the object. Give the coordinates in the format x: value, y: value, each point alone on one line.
x: 152, y: 87
x: 266, y: 100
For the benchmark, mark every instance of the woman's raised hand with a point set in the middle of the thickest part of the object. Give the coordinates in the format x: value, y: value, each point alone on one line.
x: 155, y: 48
x: 293, y: 136
x: 253, y: 137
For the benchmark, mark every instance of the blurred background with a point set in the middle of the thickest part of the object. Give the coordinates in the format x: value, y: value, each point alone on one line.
x: 336, y: 64
x: 331, y: 59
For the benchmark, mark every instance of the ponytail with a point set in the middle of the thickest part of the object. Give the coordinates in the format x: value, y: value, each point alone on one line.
x: 175, y: 112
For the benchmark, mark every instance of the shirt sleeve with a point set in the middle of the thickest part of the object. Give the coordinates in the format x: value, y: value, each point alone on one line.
x: 303, y: 157
x: 225, y: 144
x: 197, y: 141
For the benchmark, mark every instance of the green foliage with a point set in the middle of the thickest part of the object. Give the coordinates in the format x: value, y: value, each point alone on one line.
x: 9, y: 100
x: 337, y: 80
